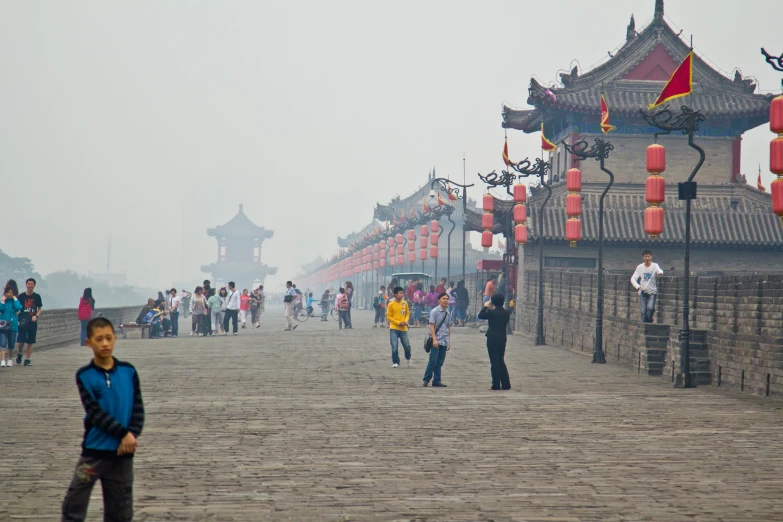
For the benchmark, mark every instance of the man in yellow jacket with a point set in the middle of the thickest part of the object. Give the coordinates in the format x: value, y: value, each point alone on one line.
x: 398, y: 313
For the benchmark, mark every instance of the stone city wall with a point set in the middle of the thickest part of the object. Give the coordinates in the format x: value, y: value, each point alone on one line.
x: 61, y: 326
x: 736, y: 323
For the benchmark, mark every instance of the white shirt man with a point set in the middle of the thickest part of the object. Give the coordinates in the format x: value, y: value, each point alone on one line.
x: 232, y: 299
x: 645, y: 281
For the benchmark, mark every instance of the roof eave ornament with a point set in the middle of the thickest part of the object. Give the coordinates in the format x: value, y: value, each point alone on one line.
x: 658, y: 17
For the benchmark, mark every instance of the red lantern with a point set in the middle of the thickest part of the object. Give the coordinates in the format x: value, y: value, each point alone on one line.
x: 655, y: 190
x: 424, y: 231
x: 776, y: 156
x: 434, y: 252
x: 434, y: 239
x: 574, y: 180
x: 400, y: 259
x: 382, y: 263
x: 776, y: 115
x: 422, y: 242
x: 520, y: 213
x: 423, y: 254
x: 411, y: 235
x: 487, y: 221
x: 486, y: 239
x: 656, y: 159
x: 777, y: 197
x: 573, y: 205
x: 400, y: 250
x: 400, y: 239
x: 489, y: 203
x: 412, y: 245
x: 520, y: 193
x: 390, y: 242
x: 376, y: 256
x: 653, y: 221
x: 520, y: 234
x: 434, y: 226
x: 411, y: 257
x: 573, y: 231
x: 393, y: 261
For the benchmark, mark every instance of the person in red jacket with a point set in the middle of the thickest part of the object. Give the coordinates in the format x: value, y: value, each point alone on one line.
x: 86, y: 307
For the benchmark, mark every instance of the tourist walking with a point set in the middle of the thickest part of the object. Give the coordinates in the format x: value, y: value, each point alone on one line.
x: 462, y: 302
x: 216, y: 304
x: 440, y: 331
x: 342, y: 304
x: 255, y: 300
x: 114, y: 418
x: 261, y: 303
x: 174, y: 305
x: 185, y: 303
x: 418, y: 304
x: 645, y: 281
x: 497, y: 318
x: 431, y: 299
x: 452, y: 301
x: 232, y: 309
x: 379, y: 304
x: 9, y: 324
x: 198, y: 308
x: 349, y: 295
x: 244, y: 307
x: 32, y: 306
x: 325, y: 298
x: 84, y: 313
x: 398, y: 315
x: 288, y: 306
x: 441, y: 286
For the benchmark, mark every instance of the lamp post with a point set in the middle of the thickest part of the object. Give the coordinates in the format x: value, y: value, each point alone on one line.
x: 687, y: 122
x: 776, y: 145
x: 437, y: 211
x: 539, y: 169
x: 599, y: 152
x: 448, y: 187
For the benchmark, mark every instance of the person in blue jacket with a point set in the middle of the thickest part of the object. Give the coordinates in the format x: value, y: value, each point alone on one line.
x: 9, y: 308
x: 111, y: 396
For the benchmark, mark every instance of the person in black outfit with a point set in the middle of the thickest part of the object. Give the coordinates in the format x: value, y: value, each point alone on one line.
x: 497, y: 317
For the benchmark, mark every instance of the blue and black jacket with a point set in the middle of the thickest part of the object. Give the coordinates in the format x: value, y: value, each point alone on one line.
x: 113, y: 405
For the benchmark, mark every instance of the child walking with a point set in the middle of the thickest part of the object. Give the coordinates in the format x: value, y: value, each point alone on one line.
x: 111, y: 396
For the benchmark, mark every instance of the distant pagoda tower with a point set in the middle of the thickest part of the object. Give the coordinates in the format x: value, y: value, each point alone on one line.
x: 239, y: 252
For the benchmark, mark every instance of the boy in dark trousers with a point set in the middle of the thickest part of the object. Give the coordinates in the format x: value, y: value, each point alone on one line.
x: 111, y: 395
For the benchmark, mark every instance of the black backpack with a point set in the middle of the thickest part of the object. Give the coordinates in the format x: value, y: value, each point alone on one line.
x: 376, y: 302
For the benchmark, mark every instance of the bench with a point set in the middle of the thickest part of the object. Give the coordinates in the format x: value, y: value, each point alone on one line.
x: 135, y: 331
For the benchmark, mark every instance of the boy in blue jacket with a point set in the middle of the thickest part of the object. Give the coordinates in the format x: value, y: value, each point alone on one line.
x: 111, y: 395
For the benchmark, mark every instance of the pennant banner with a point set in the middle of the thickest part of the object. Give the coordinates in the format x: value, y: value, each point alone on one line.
x: 605, y: 125
x: 680, y: 83
x: 505, y: 154
x: 547, y: 145
x: 758, y: 182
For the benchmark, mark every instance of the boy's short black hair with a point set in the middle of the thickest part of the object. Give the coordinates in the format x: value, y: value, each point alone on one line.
x: 232, y: 284
x: 498, y: 300
x: 31, y: 279
x: 398, y: 289
x: 383, y: 287
x: 442, y: 295
x: 173, y: 290
x: 646, y: 252
x: 98, y: 322
x: 289, y: 283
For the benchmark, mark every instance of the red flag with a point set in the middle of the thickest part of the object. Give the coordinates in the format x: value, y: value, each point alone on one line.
x: 452, y: 196
x: 413, y: 214
x: 440, y: 200
x: 426, y: 208
x: 680, y: 83
x: 758, y: 182
x: 505, y: 154
x: 547, y: 145
x: 402, y: 217
x: 605, y: 125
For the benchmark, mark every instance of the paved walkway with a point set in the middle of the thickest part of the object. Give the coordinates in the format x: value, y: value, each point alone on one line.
x: 316, y: 425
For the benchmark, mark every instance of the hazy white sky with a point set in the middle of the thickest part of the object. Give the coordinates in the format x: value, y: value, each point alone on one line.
x: 151, y: 121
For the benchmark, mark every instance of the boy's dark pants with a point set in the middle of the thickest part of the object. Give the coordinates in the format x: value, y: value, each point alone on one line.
x: 497, y: 353
x: 116, y: 476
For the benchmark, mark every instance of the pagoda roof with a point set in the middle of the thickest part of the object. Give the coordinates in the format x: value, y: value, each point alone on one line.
x: 633, y: 78
x: 356, y: 237
x: 715, y: 222
x: 240, y: 226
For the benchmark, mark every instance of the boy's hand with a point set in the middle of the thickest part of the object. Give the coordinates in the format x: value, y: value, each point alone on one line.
x: 128, y: 444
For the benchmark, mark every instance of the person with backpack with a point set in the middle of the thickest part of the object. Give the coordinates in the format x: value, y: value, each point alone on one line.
x: 343, y: 306
x: 86, y: 308
x: 440, y: 332
x: 379, y: 304
x: 497, y: 318
x: 461, y: 303
x: 325, y: 298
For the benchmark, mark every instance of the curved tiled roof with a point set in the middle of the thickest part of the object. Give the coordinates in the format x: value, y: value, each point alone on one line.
x: 240, y: 226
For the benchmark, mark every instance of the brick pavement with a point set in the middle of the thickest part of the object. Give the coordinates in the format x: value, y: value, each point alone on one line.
x: 316, y: 425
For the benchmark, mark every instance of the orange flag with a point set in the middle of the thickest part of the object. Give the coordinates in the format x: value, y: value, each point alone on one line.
x: 505, y: 154
x: 440, y: 200
x: 680, y: 83
x: 758, y: 182
x: 426, y: 208
x: 605, y: 125
x: 547, y: 145
x: 452, y: 196
x: 413, y: 214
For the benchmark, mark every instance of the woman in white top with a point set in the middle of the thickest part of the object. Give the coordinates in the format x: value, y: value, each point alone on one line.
x: 198, y: 306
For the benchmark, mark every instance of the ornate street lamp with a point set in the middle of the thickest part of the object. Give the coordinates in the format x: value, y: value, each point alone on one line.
x: 599, y: 152
x: 687, y: 122
x: 453, y: 192
x: 776, y: 145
